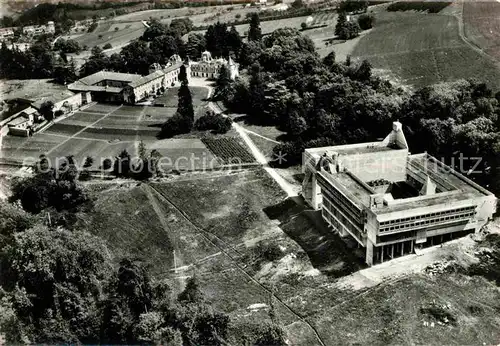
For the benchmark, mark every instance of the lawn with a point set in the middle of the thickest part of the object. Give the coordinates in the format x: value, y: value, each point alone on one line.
x: 420, y: 49
x: 183, y: 154
x: 125, y: 219
x: 81, y: 119
x: 170, y: 99
x: 396, y: 313
x: 482, y: 25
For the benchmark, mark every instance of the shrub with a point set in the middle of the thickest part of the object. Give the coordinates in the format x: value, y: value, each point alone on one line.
x: 213, y: 122
x: 106, y: 164
x: 107, y: 46
x: 58, y: 113
x: 99, y: 36
x: 365, y: 21
x: 175, y: 126
x: 116, y: 29
x: 270, y: 252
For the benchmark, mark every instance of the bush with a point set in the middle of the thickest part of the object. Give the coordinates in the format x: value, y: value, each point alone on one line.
x: 116, y: 28
x: 175, y: 126
x: 365, y: 21
x: 270, y: 252
x: 107, y: 46
x: 213, y: 122
x: 99, y: 36
x: 92, y: 27
x: 58, y: 113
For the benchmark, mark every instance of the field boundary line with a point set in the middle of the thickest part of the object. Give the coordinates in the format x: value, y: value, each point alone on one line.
x: 82, y: 130
x: 237, y: 265
x: 463, y: 36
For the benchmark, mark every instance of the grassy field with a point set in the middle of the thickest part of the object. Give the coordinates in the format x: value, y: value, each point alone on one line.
x: 220, y: 224
x: 482, y: 25
x: 170, y: 99
x: 395, y: 314
x: 420, y: 49
x: 103, y: 131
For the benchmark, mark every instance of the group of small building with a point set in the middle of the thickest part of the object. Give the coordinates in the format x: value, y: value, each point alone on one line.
x: 107, y: 86
x: 30, y: 120
x: 28, y: 30
x: 114, y: 87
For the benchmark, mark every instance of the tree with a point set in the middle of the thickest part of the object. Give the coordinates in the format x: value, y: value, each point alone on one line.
x: 254, y: 32
x: 89, y: 161
x: 122, y: 164
x: 185, y: 104
x: 303, y: 25
x: 216, y: 123
x: 163, y: 47
x: 138, y: 57
x: 216, y: 38
x: 195, y: 46
x: 53, y: 277
x: 341, y: 22
x: 47, y: 110
x: 183, y: 77
x: 107, y: 46
x: 154, y: 30
x: 270, y: 334
x: 67, y: 46
x: 366, y: 21
x: 223, y: 82
x: 96, y: 62
x: 142, y: 150
x: 234, y: 41
x: 256, y: 92
x: 192, y: 292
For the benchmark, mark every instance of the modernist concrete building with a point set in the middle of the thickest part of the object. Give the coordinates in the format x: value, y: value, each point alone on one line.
x: 391, y: 202
x: 209, y: 68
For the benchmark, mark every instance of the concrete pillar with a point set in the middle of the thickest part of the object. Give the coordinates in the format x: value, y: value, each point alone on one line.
x: 369, y: 253
x: 402, y: 248
x: 342, y: 232
x: 392, y: 251
x: 382, y: 254
x: 316, y: 193
x: 411, y: 246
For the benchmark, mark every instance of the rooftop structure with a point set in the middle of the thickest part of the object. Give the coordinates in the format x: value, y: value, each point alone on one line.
x: 389, y: 201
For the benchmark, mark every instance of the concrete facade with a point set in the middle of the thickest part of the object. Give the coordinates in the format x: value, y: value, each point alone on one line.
x: 391, y: 202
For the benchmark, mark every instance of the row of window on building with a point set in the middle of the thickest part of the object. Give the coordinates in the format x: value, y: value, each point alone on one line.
x: 430, y: 218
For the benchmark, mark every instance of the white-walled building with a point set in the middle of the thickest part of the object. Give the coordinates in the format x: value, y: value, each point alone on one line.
x: 209, y: 68
x: 391, y: 202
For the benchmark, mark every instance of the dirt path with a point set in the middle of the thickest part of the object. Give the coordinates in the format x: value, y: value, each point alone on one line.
x: 290, y: 189
x: 153, y: 196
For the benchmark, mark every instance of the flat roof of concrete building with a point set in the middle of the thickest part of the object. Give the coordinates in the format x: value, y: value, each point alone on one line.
x: 464, y: 189
x: 351, y: 149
